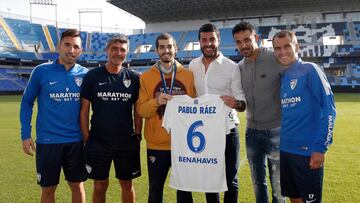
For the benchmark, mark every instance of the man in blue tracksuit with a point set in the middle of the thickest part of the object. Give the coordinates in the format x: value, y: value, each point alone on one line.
x: 59, y: 143
x: 308, y: 116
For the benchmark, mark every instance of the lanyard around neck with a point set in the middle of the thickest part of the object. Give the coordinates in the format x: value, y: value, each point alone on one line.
x: 163, y: 81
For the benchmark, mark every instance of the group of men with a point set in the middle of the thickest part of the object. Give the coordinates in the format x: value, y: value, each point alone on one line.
x: 289, y: 106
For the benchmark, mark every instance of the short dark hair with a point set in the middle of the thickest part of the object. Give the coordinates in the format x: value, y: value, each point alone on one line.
x: 242, y: 26
x: 69, y: 33
x: 208, y: 27
x: 285, y: 33
x: 118, y: 38
x: 165, y: 36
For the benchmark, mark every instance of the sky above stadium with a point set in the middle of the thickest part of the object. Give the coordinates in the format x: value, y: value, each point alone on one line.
x: 68, y: 13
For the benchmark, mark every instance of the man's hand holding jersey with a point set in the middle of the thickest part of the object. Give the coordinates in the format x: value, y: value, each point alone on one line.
x: 231, y: 102
x: 163, y: 98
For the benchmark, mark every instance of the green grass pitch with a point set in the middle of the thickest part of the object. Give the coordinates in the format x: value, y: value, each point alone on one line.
x: 342, y: 165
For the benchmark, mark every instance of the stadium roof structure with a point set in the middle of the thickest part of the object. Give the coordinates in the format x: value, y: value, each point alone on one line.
x: 155, y: 11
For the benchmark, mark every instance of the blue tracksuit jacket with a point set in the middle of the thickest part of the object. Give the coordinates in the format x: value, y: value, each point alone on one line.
x: 308, y: 110
x: 58, y: 97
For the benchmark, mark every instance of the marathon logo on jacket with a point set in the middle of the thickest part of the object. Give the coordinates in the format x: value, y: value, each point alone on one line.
x: 114, y: 96
x: 65, y: 96
x: 290, y: 101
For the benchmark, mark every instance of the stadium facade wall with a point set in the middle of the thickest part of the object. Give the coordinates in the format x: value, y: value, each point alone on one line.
x: 301, y: 18
x: 174, y: 26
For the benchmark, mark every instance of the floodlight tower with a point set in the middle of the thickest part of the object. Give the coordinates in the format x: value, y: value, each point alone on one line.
x: 44, y: 3
x: 90, y: 10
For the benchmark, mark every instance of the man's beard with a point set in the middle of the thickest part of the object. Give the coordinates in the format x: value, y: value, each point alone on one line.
x: 214, y: 52
x: 248, y: 52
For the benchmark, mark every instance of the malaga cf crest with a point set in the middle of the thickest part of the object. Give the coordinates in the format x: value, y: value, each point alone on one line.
x: 293, y: 83
x: 127, y: 82
x: 78, y: 81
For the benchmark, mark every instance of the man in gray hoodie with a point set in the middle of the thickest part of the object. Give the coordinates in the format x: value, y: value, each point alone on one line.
x: 260, y: 78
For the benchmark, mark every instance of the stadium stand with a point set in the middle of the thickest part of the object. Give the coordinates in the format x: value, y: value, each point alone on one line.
x: 5, y: 41
x: 189, y: 36
x: 11, y: 79
x: 54, y: 34
x: 357, y: 30
x: 28, y: 34
x: 18, y: 54
x: 340, y: 62
x: 98, y: 41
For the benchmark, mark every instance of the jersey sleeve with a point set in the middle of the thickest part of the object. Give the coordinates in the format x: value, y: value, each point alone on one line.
x: 27, y: 103
x: 321, y: 90
x: 166, y: 123
x: 86, y: 88
x: 228, y: 111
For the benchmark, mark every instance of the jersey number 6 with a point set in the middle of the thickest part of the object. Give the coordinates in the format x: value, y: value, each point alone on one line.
x: 192, y: 134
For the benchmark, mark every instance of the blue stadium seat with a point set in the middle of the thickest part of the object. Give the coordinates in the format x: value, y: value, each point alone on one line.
x: 148, y: 55
x: 226, y: 37
x: 177, y: 36
x: 229, y: 52
x: 357, y: 30
x: 54, y: 34
x: 49, y: 56
x: 28, y: 33
x: 18, y: 55
x: 4, y: 39
x: 98, y: 41
x: 10, y: 79
x: 191, y: 36
x: 267, y: 32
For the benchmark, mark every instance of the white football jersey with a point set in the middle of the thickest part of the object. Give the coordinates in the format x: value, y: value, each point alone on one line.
x: 198, y: 129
